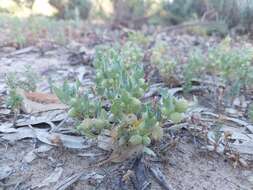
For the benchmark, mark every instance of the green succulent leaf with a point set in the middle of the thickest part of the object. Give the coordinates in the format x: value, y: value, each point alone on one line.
x: 135, y: 139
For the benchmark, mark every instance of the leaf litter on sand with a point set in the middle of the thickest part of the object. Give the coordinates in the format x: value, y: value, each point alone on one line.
x: 47, y: 137
x: 56, y: 139
x: 51, y: 179
x: 234, y: 136
x: 39, y: 102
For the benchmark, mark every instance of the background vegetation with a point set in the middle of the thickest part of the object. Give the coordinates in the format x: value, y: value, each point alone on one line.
x: 233, y: 13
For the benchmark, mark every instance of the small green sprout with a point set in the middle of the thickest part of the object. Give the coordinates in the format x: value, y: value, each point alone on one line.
x: 14, y: 100
x: 26, y: 80
x: 30, y: 80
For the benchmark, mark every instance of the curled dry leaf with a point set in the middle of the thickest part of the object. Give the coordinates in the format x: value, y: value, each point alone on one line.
x: 236, y: 121
x: 5, y: 111
x: 20, y: 133
x: 58, y: 139
x: 43, y: 117
x: 45, y: 136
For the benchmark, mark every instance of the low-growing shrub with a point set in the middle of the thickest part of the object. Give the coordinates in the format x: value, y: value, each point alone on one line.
x: 22, y: 32
x: 231, y: 64
x: 13, y: 100
x: 232, y: 13
x: 162, y: 59
x: 73, y: 9
x: 26, y: 80
x: 139, y: 38
x: 120, y: 84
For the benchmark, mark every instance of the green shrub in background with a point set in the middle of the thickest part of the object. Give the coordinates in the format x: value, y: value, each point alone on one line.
x: 232, y: 13
x: 183, y: 10
x: 247, y: 15
x: 72, y: 9
x: 64, y: 9
x: 28, y: 31
x: 231, y: 64
x: 135, y: 13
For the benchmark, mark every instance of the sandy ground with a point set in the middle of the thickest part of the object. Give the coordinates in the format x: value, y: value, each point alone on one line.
x: 187, y: 168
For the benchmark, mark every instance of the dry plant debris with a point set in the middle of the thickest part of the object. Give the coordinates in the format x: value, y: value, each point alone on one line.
x: 124, y: 114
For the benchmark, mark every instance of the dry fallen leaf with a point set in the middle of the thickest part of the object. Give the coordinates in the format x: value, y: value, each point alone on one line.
x: 43, y: 98
x: 34, y: 102
x: 56, y: 139
x: 42, y: 117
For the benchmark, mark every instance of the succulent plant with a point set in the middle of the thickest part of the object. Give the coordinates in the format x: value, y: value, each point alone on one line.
x: 120, y: 81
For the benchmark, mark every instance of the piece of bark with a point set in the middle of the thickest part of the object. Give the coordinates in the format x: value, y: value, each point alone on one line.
x: 160, y: 178
x: 65, y: 183
x: 140, y: 180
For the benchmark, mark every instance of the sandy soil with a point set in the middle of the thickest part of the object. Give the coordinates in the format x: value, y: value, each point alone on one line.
x: 187, y: 168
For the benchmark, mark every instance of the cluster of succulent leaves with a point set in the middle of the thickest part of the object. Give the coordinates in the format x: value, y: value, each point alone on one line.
x: 67, y: 92
x: 139, y: 38
x: 83, y: 107
x: 81, y: 104
x: 161, y: 58
x: 13, y: 100
x: 120, y: 82
x: 195, y: 68
x: 231, y: 64
x: 119, y: 72
x: 172, y: 108
x: 27, y: 82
